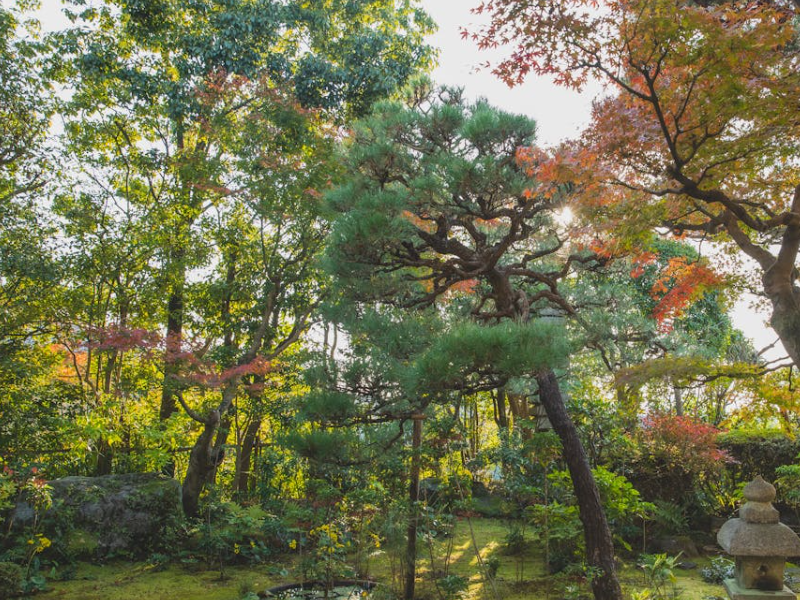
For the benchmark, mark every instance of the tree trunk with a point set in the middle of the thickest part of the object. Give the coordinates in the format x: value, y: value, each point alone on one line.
x: 218, y: 450
x: 173, y: 345
x: 599, y: 544
x: 201, y: 461
x: 779, y: 277
x: 785, y: 319
x: 501, y: 416
x: 105, y: 456
x: 677, y: 394
x: 245, y: 458
x: 174, y: 333
x: 105, y: 453
x: 413, y: 497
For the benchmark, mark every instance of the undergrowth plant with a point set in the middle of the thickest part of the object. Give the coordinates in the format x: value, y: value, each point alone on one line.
x: 659, y: 576
x: 23, y: 542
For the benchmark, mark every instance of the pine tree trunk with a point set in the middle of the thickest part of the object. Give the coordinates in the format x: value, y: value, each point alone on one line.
x: 599, y: 544
x: 413, y: 497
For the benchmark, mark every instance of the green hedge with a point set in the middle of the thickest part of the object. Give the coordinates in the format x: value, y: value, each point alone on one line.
x: 758, y: 452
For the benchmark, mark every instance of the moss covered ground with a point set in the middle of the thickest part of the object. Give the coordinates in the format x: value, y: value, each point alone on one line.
x: 518, y: 577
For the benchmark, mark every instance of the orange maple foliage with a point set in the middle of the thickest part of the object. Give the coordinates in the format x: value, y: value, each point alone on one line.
x: 640, y: 262
x: 465, y: 287
x: 698, y: 133
x: 419, y: 222
x: 71, y: 364
x: 680, y: 283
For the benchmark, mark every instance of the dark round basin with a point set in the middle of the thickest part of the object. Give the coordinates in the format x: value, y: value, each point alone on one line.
x: 340, y: 589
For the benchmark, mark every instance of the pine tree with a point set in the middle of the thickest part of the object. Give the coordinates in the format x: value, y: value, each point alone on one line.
x: 439, y: 213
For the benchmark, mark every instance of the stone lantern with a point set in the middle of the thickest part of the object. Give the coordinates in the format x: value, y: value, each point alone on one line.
x: 760, y: 544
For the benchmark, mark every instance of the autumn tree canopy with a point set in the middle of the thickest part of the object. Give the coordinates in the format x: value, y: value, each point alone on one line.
x: 699, y: 130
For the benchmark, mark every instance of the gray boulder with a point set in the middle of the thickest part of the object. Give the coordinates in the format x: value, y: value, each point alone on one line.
x: 674, y: 545
x: 128, y: 514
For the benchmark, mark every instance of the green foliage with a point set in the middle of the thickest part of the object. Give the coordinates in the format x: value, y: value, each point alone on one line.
x: 436, y: 157
x: 198, y: 138
x: 787, y: 485
x: 452, y: 586
x: 11, y: 576
x: 559, y: 525
x: 492, y: 566
x: 231, y: 534
x: 601, y: 422
x: 322, y: 405
x: 347, y: 55
x: 558, y: 521
x: 758, y: 452
x: 24, y: 543
x: 510, y: 349
x: 626, y: 295
x: 669, y: 518
x: 514, y: 542
x: 425, y: 204
x: 621, y: 500
x: 718, y: 571
x: 326, y: 560
x: 660, y: 576
x: 322, y: 445
x: 28, y: 269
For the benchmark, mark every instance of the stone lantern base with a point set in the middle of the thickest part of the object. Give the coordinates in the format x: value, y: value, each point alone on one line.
x: 736, y: 592
x: 760, y: 572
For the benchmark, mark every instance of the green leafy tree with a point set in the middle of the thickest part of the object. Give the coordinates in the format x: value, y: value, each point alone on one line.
x: 260, y: 299
x: 641, y: 337
x: 200, y: 130
x: 438, y: 207
x: 139, y: 74
x: 27, y: 270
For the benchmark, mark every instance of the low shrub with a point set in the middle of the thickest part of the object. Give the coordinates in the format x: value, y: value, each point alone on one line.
x: 718, y: 571
x: 11, y: 577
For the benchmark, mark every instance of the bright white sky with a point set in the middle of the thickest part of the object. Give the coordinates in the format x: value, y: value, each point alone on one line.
x: 559, y: 113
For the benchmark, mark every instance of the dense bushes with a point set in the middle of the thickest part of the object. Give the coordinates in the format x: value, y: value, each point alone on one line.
x: 10, y: 580
x: 673, y: 456
x: 557, y: 522
x: 758, y: 452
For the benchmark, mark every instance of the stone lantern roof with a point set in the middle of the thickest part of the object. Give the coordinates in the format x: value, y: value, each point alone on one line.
x: 758, y: 530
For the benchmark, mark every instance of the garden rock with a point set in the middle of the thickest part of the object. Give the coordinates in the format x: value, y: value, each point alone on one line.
x: 128, y: 513
x: 675, y: 545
